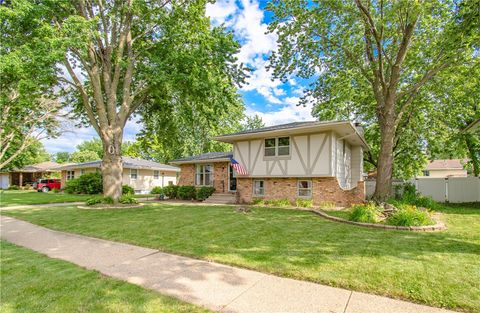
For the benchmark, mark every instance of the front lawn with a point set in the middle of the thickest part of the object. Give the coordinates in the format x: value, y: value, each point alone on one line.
x: 21, y: 197
x: 440, y: 269
x: 31, y: 282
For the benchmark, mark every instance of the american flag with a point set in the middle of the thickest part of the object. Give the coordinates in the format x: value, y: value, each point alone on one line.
x: 238, y: 167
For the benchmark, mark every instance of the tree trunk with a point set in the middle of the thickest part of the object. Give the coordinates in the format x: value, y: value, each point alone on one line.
x: 112, y: 165
x: 385, y: 161
x: 473, y: 154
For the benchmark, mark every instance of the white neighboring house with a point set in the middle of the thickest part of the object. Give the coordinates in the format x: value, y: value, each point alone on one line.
x: 445, y: 168
x: 142, y: 175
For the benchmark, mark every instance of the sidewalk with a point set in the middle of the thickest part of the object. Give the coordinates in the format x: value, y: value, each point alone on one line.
x: 214, y: 286
x: 45, y: 205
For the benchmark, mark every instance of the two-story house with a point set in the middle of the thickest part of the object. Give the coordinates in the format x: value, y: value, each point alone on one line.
x: 322, y: 161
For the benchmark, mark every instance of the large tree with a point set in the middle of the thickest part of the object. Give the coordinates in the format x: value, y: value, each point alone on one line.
x: 370, y: 60
x: 28, y: 75
x: 121, y: 56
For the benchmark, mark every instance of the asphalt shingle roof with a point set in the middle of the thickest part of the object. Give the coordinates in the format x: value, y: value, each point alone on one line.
x: 129, y: 162
x: 206, y: 156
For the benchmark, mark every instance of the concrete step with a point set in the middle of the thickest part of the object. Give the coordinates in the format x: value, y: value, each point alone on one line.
x: 222, y: 198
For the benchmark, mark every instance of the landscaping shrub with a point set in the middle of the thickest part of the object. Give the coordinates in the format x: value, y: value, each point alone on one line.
x: 127, y: 190
x: 13, y: 187
x: 107, y: 200
x: 304, y: 203
x: 327, y: 204
x: 412, y: 197
x: 186, y: 192
x: 365, y: 213
x: 278, y: 202
x: 203, y: 193
x: 55, y: 190
x: 258, y: 201
x: 410, y: 215
x: 170, y: 191
x: 72, y: 186
x: 93, y: 201
x: 156, y: 190
x: 127, y: 199
x: 90, y: 183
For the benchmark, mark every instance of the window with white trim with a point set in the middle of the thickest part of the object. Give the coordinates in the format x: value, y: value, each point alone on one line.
x: 204, y: 174
x: 156, y: 174
x: 258, y: 188
x: 82, y: 171
x: 70, y: 175
x: 133, y: 173
x: 304, y: 188
x: 277, y: 147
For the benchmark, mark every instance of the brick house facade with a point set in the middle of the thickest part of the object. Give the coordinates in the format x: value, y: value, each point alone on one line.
x: 322, y: 161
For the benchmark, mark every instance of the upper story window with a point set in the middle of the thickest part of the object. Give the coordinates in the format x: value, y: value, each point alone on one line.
x: 133, y: 173
x: 426, y: 173
x: 156, y: 174
x: 277, y: 146
x: 204, y: 175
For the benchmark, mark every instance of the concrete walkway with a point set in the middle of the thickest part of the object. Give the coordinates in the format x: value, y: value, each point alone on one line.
x: 33, y: 206
x: 214, y: 286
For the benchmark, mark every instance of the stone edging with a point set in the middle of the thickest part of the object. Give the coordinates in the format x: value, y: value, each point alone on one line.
x: 104, y: 207
x: 437, y: 227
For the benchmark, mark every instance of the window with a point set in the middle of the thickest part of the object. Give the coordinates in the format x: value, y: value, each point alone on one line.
x: 277, y: 146
x: 203, y: 175
x: 258, y: 188
x: 133, y: 173
x: 170, y: 183
x: 70, y: 175
x: 426, y: 173
x: 304, y: 188
x: 82, y: 171
x: 156, y: 175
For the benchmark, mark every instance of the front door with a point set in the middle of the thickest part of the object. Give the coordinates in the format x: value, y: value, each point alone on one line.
x: 232, y: 180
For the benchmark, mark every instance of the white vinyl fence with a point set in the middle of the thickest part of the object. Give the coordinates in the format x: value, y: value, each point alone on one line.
x: 453, y: 189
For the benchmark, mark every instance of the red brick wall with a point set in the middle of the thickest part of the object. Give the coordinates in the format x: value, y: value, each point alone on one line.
x: 323, y: 189
x: 220, y: 176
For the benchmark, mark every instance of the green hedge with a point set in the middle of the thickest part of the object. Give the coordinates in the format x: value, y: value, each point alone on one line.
x: 90, y: 183
x: 127, y: 190
x: 203, y: 193
x: 170, y: 191
x: 186, y: 192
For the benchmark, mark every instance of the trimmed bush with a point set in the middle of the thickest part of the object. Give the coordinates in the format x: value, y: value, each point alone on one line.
x: 171, y: 191
x: 127, y: 190
x: 127, y: 199
x: 93, y: 201
x: 90, y: 183
x: 72, y: 186
x: 278, y: 202
x: 304, y: 203
x: 203, y: 193
x: 186, y: 192
x: 365, y: 213
x: 410, y: 215
x: 13, y: 187
x: 157, y: 190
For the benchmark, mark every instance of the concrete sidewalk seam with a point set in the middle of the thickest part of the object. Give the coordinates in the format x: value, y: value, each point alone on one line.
x: 348, y: 301
x: 241, y: 294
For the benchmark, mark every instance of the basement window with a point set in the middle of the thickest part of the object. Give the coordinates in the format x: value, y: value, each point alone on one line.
x: 304, y: 188
x: 258, y: 188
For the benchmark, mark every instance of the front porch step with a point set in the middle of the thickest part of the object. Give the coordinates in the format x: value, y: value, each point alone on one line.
x: 222, y: 198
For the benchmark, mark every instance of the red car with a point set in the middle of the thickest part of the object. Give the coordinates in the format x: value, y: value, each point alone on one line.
x: 45, y: 185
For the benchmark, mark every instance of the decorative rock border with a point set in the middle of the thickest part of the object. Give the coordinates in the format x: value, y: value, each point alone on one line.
x: 436, y: 217
x: 104, y: 206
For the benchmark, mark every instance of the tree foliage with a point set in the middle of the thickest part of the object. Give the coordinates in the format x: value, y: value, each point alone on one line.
x: 84, y: 156
x: 253, y: 122
x: 372, y: 61
x: 27, y: 78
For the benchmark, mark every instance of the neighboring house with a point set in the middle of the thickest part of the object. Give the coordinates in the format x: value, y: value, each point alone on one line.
x: 322, y: 161
x: 27, y: 175
x: 445, y: 168
x: 141, y: 175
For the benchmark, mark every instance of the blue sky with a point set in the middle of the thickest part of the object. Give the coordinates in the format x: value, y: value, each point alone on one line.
x: 274, y: 101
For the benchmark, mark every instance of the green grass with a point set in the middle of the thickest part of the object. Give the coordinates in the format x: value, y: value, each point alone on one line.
x: 20, y: 197
x: 32, y: 282
x: 437, y: 268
